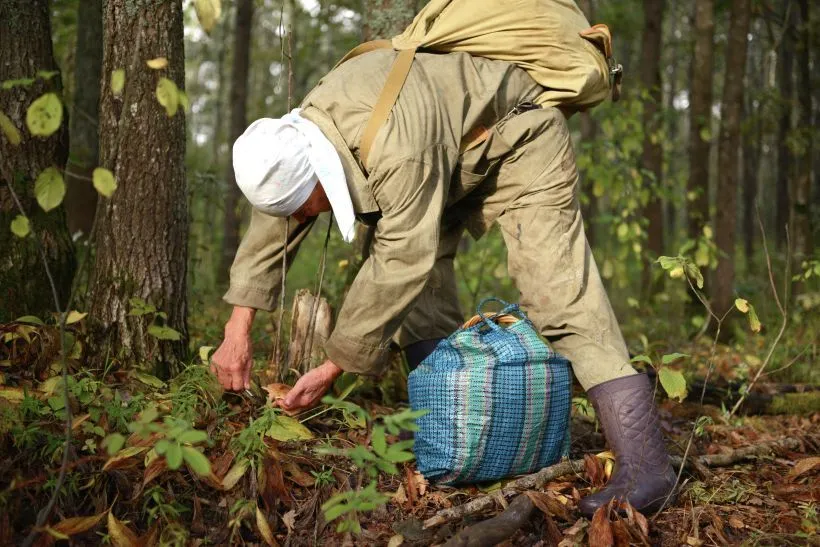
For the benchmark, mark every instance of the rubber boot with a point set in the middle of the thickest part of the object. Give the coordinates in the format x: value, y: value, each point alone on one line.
x: 643, y: 475
x: 417, y: 352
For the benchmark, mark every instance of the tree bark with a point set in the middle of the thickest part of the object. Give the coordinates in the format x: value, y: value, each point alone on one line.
x: 652, y: 157
x: 752, y: 151
x: 784, y: 155
x: 801, y: 225
x: 700, y: 116
x: 142, y: 230
x: 26, y: 49
x: 731, y: 112
x: 239, y: 100
x: 83, y: 155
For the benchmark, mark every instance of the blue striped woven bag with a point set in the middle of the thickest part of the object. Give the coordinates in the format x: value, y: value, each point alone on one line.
x: 498, y: 399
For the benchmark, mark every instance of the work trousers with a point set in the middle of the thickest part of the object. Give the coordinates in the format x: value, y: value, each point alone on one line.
x: 531, y: 191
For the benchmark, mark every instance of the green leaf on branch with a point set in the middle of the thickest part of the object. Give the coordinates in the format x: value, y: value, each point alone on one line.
x: 197, y: 461
x: 113, y: 443
x: 744, y: 306
x: 49, y: 188
x: 379, y: 440
x: 168, y: 96
x: 641, y: 359
x: 10, y: 130
x: 193, y: 436
x: 117, y: 81
x: 149, y: 380
x: 673, y: 383
x: 20, y: 226
x: 164, y: 333
x: 672, y: 357
x: 45, y: 115
x: 208, y: 12
x: 104, y: 181
x: 173, y: 455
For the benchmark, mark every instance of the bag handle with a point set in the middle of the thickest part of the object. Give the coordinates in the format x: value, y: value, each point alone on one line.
x: 507, y: 309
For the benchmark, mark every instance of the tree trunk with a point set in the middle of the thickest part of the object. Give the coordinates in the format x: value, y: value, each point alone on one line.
x: 752, y: 150
x: 700, y: 117
x: 239, y: 100
x: 784, y: 155
x: 801, y: 226
x: 25, y: 50
x: 652, y: 157
x: 731, y: 112
x: 83, y: 156
x: 589, y: 130
x: 387, y: 18
x: 142, y: 230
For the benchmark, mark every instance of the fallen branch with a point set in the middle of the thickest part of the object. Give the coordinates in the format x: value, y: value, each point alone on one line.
x: 497, y: 529
x: 537, y: 480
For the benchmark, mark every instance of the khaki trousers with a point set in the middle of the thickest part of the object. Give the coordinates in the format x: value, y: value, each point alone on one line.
x: 532, y: 194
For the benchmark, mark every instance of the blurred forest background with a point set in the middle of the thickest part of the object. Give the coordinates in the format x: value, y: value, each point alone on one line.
x: 709, y: 159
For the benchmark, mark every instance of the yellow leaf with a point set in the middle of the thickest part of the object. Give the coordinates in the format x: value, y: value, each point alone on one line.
x: 237, y: 471
x: 9, y: 130
x: 208, y: 12
x: 77, y: 525
x: 20, y: 226
x: 285, y: 428
x: 158, y: 63
x: 742, y: 305
x: 117, y: 81
x: 74, y: 316
x: 123, y: 455
x: 12, y: 394
x: 264, y: 528
x: 395, y: 541
x: 104, y: 181
x: 45, y: 115
x: 49, y: 188
x: 120, y: 534
x: 168, y: 95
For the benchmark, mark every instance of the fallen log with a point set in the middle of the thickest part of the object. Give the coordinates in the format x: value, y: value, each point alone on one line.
x: 495, y: 530
x: 537, y: 480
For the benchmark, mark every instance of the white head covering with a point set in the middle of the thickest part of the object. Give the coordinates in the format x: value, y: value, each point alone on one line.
x: 278, y: 162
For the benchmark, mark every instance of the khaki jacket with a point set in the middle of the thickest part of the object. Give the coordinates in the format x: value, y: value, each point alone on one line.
x: 418, y: 178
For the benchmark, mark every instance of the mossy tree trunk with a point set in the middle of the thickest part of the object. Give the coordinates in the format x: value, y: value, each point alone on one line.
x: 142, y: 230
x: 25, y: 50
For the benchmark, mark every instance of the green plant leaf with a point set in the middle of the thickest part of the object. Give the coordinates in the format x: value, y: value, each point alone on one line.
x: 204, y: 354
x: 49, y: 188
x: 208, y: 12
x: 378, y: 440
x: 104, y: 181
x: 9, y: 130
x: 192, y: 436
x: 168, y: 95
x: 74, y: 316
x: 162, y: 446
x: 164, y: 333
x: 285, y: 428
x: 20, y: 226
x: 754, y: 321
x: 45, y: 115
x: 197, y: 461
x: 742, y: 305
x: 641, y: 359
x: 34, y: 321
x: 117, y: 81
x: 113, y: 443
x: 149, y: 380
x: 673, y: 383
x: 672, y: 357
x: 173, y: 455
x: 668, y: 262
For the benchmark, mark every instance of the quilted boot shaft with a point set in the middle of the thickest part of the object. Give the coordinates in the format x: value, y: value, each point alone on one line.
x: 629, y: 419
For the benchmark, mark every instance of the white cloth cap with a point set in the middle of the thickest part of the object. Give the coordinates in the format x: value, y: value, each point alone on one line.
x: 277, y: 163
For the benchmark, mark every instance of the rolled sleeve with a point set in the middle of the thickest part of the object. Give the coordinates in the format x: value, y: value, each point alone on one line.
x: 411, y: 196
x: 256, y: 273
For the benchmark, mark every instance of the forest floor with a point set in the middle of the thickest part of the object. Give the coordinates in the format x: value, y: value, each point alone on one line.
x: 268, y: 475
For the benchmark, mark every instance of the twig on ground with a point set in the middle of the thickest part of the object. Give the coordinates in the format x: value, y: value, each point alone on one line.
x: 537, y: 480
x: 496, y: 529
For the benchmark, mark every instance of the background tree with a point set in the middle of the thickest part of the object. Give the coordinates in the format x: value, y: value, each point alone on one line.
x: 731, y: 112
x: 785, y: 73
x: 700, y: 116
x: 83, y: 154
x: 652, y: 157
x: 28, y: 69
x: 239, y: 121
x: 142, y: 230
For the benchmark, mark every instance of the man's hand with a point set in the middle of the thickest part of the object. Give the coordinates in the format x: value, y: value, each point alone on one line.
x: 311, y: 387
x: 232, y: 361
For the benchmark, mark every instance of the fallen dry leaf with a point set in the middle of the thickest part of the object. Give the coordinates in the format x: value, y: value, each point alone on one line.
x: 121, y: 535
x: 154, y: 470
x: 594, y: 468
x: 276, y: 391
x: 804, y: 466
x: 289, y: 519
x: 295, y: 473
x: 395, y: 541
x: 600, y: 531
x: 736, y: 523
x: 77, y: 525
x: 264, y: 528
x: 549, y: 504
x: 574, y: 535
